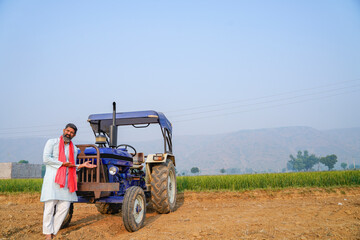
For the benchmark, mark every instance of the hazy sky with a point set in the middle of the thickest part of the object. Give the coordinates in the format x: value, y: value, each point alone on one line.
x: 210, y: 66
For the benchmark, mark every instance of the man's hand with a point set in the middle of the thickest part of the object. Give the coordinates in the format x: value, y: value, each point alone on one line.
x: 87, y: 165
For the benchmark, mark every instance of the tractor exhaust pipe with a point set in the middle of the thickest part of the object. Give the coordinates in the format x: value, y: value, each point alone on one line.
x: 113, y: 129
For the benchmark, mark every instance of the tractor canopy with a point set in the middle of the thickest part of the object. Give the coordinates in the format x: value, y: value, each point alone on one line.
x: 101, y: 122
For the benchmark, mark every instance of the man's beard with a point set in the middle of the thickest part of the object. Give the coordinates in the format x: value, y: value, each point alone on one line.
x: 66, y: 137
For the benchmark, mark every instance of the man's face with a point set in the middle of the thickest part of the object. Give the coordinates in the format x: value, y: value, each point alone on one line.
x: 68, y: 134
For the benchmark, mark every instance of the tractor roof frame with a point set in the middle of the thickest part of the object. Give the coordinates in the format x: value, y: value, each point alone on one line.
x: 100, y: 123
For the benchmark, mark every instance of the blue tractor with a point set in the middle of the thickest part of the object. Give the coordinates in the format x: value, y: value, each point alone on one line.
x: 126, y: 180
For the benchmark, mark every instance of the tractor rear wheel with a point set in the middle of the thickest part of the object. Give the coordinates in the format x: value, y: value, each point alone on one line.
x: 108, y: 208
x: 134, y: 208
x: 163, y: 187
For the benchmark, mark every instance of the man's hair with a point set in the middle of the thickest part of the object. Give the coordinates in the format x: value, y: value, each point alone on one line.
x: 71, y: 125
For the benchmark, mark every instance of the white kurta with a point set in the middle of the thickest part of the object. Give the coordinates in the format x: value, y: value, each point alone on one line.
x: 51, y: 190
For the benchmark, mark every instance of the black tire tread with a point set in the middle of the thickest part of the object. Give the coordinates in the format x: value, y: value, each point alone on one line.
x: 108, y: 208
x: 68, y: 217
x: 159, y: 188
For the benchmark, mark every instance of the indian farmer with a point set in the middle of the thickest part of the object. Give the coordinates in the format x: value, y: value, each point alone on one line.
x: 60, y: 182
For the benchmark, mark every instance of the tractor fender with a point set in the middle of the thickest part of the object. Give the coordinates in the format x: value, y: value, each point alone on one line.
x: 160, y: 158
x: 153, y: 159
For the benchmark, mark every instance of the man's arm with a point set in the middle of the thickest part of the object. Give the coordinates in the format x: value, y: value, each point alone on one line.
x: 48, y: 156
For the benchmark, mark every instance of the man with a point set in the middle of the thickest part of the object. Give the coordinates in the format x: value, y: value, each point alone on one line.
x: 59, y: 183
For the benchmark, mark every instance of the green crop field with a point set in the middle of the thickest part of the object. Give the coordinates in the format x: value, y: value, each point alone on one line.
x: 20, y: 185
x: 271, y: 180
x: 228, y: 182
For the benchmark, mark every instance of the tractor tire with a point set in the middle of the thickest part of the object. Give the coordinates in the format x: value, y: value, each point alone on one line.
x: 68, y: 217
x: 134, y: 209
x: 108, y: 208
x: 163, y: 187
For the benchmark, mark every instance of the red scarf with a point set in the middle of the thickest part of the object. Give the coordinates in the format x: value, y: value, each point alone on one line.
x: 61, y: 172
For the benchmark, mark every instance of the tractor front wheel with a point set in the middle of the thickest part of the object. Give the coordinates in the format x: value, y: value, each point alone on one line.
x: 134, y: 209
x: 163, y: 187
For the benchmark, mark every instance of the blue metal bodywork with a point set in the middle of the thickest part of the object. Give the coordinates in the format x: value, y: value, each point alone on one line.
x: 117, y: 157
x: 125, y: 176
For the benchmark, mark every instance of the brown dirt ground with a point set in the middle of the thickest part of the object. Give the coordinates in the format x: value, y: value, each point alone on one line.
x: 306, y: 213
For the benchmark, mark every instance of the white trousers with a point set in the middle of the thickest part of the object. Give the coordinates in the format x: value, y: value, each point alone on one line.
x: 51, y: 222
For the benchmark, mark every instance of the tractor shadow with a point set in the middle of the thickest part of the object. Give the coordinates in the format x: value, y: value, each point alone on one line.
x: 179, y: 200
x: 152, y: 215
x: 83, y: 222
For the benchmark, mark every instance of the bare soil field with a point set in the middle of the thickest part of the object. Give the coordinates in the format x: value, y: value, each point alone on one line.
x: 306, y: 213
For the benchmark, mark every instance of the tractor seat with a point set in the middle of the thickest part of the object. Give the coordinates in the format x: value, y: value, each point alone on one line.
x: 138, y: 159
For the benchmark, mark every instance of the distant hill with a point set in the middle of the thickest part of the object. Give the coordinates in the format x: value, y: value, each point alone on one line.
x: 264, y: 149
x: 238, y: 152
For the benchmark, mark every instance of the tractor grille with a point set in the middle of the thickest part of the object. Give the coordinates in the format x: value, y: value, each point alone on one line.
x: 91, y: 175
x: 93, y: 182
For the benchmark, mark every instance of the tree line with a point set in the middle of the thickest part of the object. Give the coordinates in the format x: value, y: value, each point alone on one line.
x: 305, y: 161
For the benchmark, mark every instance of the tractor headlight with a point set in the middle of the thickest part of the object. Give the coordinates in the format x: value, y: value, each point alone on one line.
x: 113, y: 170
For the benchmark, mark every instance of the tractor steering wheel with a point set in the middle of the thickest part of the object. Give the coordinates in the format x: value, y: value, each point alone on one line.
x: 126, y: 146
